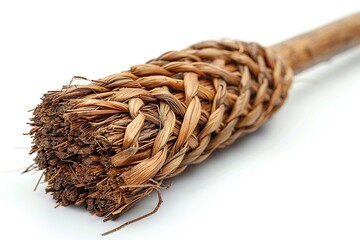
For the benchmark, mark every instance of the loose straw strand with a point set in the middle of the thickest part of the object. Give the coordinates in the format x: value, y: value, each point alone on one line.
x: 160, y: 201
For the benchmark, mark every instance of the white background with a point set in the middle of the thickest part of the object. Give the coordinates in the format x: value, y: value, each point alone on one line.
x: 298, y: 177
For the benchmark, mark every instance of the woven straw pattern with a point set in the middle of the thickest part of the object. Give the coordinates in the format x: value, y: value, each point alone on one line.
x: 108, y: 144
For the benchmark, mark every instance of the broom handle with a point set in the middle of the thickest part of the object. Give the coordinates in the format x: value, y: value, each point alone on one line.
x: 308, y: 49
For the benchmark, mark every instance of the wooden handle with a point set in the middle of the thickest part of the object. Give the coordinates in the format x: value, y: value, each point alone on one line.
x: 308, y: 49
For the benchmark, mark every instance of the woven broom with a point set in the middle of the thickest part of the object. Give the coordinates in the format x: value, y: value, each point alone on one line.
x: 108, y: 144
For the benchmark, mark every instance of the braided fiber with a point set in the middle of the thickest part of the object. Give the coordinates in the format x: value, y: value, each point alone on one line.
x: 108, y: 144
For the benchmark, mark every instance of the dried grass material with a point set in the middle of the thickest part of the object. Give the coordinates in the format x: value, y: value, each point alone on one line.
x: 110, y: 143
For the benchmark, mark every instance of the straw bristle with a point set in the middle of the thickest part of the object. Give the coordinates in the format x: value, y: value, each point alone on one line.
x: 108, y: 144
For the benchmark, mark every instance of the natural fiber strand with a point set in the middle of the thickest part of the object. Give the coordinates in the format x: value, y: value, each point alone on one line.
x: 139, y: 218
x: 109, y: 144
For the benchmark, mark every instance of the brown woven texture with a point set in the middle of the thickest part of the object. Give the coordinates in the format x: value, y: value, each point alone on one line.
x: 110, y: 143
